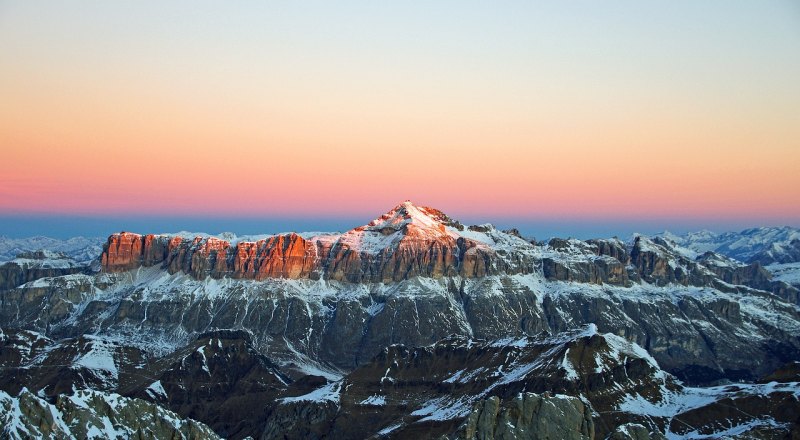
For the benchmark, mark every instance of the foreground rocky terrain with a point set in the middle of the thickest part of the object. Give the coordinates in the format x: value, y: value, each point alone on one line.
x: 410, y: 326
x: 92, y: 415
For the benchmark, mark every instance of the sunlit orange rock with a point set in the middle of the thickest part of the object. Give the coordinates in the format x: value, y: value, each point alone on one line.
x: 122, y: 252
x: 406, y: 242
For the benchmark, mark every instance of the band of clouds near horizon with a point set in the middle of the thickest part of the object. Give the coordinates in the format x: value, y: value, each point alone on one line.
x: 578, y: 110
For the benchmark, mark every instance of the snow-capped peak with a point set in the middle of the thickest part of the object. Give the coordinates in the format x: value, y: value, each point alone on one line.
x: 404, y: 221
x: 408, y: 213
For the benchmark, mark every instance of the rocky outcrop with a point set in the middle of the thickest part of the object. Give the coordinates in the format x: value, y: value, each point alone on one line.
x: 529, y: 416
x: 657, y: 263
x: 281, y: 256
x: 220, y: 379
x: 634, y: 431
x: 123, y: 251
x: 291, y: 256
x: 601, y: 270
x: 733, y: 272
x: 92, y: 414
x: 300, y: 420
x: 595, y: 261
x: 439, y: 385
x: 787, y: 373
x: 771, y: 413
x: 752, y: 275
x: 31, y: 266
x: 46, y: 301
x: 30, y: 360
x: 613, y: 247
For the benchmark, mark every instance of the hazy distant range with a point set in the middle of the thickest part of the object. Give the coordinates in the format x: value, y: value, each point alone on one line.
x: 66, y: 226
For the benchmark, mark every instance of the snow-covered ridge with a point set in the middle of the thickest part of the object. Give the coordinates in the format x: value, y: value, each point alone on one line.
x: 81, y: 249
x: 44, y: 259
x: 788, y: 273
x: 744, y: 245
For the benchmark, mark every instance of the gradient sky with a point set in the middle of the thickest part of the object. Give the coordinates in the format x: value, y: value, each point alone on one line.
x: 578, y: 114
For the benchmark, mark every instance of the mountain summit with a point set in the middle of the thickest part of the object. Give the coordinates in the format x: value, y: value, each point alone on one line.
x: 408, y: 214
x: 405, y: 223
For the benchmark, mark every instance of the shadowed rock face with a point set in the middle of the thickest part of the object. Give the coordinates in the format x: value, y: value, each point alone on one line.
x: 787, y: 373
x: 529, y: 415
x: 30, y: 266
x: 219, y: 378
x: 602, y: 270
x: 93, y: 414
x: 700, y: 335
x: 456, y: 388
x: 658, y: 264
x: 753, y: 275
x: 407, y: 241
x: 576, y: 386
x: 460, y: 388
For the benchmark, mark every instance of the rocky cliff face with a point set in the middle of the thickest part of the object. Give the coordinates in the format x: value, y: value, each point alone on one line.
x: 407, y: 241
x: 124, y: 251
x: 596, y: 262
x: 220, y: 379
x: 529, y: 416
x: 658, y: 263
x: 752, y: 275
x: 448, y: 389
x: 578, y: 385
x: 30, y: 266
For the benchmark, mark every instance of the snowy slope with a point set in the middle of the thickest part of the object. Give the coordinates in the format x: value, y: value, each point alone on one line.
x: 80, y: 249
x: 92, y: 415
x: 743, y: 245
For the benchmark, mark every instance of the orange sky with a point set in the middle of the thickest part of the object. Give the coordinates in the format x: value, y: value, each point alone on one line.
x: 108, y: 111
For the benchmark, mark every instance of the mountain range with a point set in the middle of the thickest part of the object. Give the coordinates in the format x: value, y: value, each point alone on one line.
x: 412, y: 325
